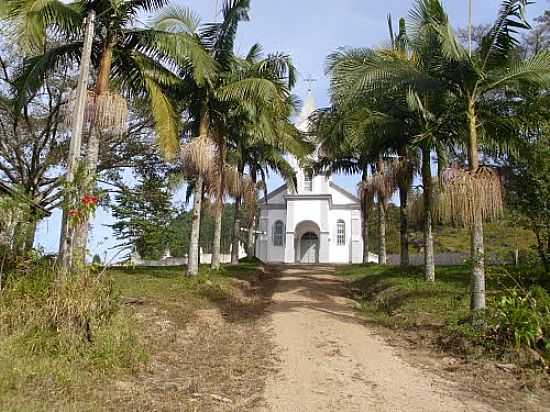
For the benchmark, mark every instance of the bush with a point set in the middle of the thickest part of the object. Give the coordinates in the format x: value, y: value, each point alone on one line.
x: 522, y: 318
x: 60, y: 331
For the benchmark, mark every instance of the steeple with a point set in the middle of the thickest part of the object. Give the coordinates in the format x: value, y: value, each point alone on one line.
x: 302, y: 123
x: 308, y: 183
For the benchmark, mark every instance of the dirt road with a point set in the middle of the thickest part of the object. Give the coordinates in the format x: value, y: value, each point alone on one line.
x: 332, y: 361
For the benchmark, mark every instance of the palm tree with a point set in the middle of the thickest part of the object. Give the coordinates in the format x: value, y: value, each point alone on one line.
x: 340, y: 151
x: 386, y: 118
x: 133, y: 60
x: 494, y: 66
x: 260, y: 87
x: 259, y: 159
x: 469, y: 78
x: 351, y: 136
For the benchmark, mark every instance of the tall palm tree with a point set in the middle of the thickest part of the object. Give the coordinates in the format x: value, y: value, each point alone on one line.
x: 351, y: 135
x: 387, y: 119
x: 259, y: 159
x: 340, y: 151
x: 134, y: 61
x: 260, y: 87
x: 469, y: 78
x: 493, y: 67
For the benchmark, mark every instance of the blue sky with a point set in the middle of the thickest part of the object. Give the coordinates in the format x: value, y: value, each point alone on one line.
x: 308, y: 30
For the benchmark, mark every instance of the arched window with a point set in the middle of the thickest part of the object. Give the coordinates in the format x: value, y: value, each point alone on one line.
x: 340, y: 233
x: 308, y: 181
x: 278, y: 233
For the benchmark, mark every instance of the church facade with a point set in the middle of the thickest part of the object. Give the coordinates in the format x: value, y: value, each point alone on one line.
x: 319, y: 222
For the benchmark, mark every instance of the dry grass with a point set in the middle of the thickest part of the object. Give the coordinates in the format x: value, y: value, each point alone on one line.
x: 214, y: 359
x: 205, y: 344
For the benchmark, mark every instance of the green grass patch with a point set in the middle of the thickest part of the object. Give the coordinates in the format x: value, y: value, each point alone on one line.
x: 518, y: 305
x: 62, y: 341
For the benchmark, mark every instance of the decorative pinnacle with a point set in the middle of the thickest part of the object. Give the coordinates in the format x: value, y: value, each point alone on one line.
x: 310, y: 80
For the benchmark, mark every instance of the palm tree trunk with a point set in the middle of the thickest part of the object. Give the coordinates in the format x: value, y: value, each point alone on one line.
x: 477, y: 299
x: 194, y: 246
x: 92, y: 149
x: 403, y: 224
x: 216, y: 243
x: 92, y: 157
x: 193, y: 257
x: 251, y: 244
x: 218, y: 213
x: 251, y: 235
x: 429, y: 266
x: 236, y: 232
x: 382, y: 259
x: 365, y: 220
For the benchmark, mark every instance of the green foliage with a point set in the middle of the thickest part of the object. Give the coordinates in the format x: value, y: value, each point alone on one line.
x: 519, y: 314
x: 529, y: 189
x: 501, y: 238
x: 181, y: 227
x: 523, y: 318
x: 61, y: 333
x: 144, y: 217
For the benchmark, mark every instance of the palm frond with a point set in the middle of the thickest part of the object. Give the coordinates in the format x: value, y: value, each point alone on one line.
x: 36, y: 69
x: 34, y: 18
x: 497, y: 45
x: 182, y: 49
x: 176, y: 19
x: 220, y: 37
x: 255, y: 53
x: 165, y: 118
x: 534, y: 70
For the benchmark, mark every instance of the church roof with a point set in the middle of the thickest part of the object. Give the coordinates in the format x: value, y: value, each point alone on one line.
x: 283, y: 188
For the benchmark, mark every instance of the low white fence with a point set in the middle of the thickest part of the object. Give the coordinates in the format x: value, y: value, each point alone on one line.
x: 205, y: 258
x: 445, y: 259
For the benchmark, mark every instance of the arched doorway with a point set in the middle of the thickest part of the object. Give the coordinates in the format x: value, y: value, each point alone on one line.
x: 309, y: 248
x: 307, y: 242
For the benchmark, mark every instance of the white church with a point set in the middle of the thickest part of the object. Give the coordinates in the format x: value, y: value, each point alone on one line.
x: 320, y: 222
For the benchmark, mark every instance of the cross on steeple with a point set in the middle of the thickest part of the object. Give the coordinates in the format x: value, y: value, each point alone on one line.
x: 310, y: 80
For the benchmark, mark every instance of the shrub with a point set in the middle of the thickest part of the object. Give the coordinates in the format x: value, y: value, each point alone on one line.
x: 74, y: 318
x: 522, y: 318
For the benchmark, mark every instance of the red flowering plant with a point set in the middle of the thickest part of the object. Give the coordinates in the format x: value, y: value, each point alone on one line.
x: 79, y: 206
x: 85, y: 207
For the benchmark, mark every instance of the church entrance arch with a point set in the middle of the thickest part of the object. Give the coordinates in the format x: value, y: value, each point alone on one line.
x: 307, y: 243
x: 309, y: 248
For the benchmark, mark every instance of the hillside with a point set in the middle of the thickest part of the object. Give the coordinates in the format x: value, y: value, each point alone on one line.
x: 501, y: 238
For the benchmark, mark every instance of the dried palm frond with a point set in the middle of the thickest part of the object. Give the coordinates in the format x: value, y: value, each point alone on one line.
x: 403, y: 171
x: 234, y: 181
x: 243, y: 186
x: 108, y: 112
x: 381, y: 184
x: 365, y: 193
x: 415, y: 205
x: 250, y: 197
x: 463, y: 192
x: 200, y: 156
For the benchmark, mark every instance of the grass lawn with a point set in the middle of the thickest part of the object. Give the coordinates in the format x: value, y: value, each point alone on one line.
x: 399, y: 298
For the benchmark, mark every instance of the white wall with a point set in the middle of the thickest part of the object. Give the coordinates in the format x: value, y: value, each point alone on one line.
x: 275, y: 253
x: 338, y: 198
x: 339, y: 254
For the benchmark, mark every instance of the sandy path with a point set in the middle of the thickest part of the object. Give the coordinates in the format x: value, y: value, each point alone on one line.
x: 332, y: 362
